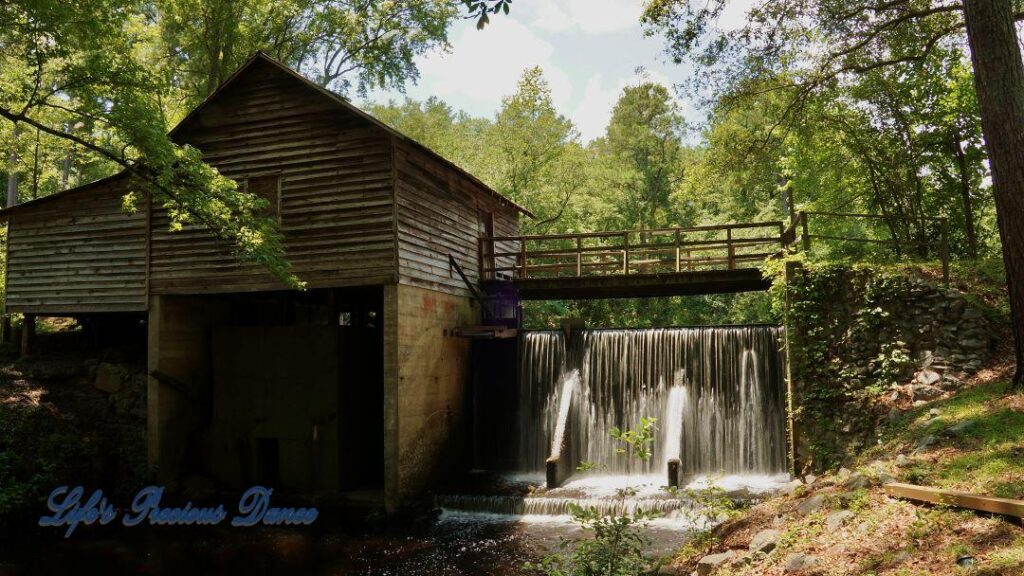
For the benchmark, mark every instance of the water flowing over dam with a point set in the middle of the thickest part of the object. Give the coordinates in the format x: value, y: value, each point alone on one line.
x: 717, y: 393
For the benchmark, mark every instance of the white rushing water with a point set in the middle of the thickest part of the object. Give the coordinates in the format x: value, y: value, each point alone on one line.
x: 717, y: 393
x: 674, y: 510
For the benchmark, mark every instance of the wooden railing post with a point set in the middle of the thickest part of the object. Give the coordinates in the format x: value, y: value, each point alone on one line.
x: 805, y: 234
x: 677, y: 249
x: 625, y: 253
x: 731, y: 248
x: 579, y: 255
x: 522, y: 258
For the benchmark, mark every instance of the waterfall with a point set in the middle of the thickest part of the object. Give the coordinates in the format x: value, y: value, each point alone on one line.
x: 717, y: 393
x: 672, y: 423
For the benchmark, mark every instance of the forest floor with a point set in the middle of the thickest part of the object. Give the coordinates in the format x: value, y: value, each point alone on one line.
x: 844, y: 523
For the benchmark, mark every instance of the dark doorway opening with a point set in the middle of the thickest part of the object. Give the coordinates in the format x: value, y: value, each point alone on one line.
x: 297, y: 400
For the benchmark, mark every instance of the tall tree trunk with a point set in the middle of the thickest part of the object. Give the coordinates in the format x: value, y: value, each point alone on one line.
x: 965, y: 197
x: 999, y: 83
x: 69, y: 156
x: 12, y: 170
x: 35, y: 168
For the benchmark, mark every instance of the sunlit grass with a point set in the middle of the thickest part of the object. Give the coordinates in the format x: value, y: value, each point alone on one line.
x: 988, y: 457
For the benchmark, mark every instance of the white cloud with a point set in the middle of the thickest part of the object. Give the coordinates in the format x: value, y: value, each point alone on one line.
x: 589, y: 16
x: 486, y: 65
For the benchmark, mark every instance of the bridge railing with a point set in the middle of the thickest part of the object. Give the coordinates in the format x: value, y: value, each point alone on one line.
x: 800, y: 234
x: 630, y: 252
x: 671, y: 250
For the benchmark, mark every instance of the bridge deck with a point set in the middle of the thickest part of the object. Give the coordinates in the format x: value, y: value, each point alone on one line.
x: 639, y: 285
x: 674, y: 261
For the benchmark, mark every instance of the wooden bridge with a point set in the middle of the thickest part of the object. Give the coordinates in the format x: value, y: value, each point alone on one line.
x: 713, y: 259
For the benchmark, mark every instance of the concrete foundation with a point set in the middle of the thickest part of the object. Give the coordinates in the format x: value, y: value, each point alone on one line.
x: 426, y: 376
x: 179, y: 365
x: 242, y: 393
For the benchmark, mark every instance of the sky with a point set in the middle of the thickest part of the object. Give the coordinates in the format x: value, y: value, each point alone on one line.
x: 589, y: 50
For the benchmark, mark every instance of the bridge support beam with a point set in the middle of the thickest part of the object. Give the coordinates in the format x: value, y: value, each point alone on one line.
x: 791, y: 342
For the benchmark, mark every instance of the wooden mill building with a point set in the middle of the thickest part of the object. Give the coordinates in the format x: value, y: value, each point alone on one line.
x: 358, y: 383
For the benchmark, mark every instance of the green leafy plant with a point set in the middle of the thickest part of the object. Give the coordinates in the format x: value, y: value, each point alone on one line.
x: 637, y: 442
x: 613, y: 545
x: 616, y: 546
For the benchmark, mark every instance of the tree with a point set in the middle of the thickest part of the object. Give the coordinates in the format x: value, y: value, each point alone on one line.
x: 86, y: 69
x: 92, y: 90
x: 827, y: 42
x: 341, y: 44
x: 537, y: 151
x: 643, y: 141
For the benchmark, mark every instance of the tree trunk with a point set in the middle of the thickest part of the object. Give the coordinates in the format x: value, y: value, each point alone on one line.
x: 12, y: 171
x: 999, y: 83
x: 965, y: 197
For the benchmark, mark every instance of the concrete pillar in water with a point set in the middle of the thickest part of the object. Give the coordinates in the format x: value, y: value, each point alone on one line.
x: 570, y: 325
x: 673, y: 473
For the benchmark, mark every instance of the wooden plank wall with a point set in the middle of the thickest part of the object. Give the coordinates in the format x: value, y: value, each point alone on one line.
x: 78, y: 253
x: 336, y: 187
x: 437, y: 213
x: 347, y: 187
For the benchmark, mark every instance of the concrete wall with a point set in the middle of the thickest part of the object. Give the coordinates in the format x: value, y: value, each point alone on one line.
x: 179, y: 347
x: 426, y: 377
x: 278, y: 384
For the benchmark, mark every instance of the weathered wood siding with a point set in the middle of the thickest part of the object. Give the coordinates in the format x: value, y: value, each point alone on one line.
x: 80, y: 252
x: 438, y: 213
x: 357, y: 204
x: 336, y: 187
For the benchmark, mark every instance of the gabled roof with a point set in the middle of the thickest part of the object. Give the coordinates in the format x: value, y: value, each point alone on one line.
x: 258, y: 57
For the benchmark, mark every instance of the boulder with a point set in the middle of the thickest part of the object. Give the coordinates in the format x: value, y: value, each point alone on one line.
x: 764, y: 541
x: 886, y: 478
x: 836, y: 519
x: 928, y: 377
x: 902, y: 460
x: 925, y: 443
x: 109, y: 377
x: 974, y: 344
x: 962, y: 427
x: 799, y: 563
x: 926, y: 392
x: 712, y: 562
x: 791, y: 487
x: 950, y: 382
x: 857, y: 482
x: 811, y: 505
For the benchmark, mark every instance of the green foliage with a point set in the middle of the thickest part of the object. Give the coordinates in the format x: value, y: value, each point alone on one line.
x: 838, y: 312
x: 638, y: 443
x: 45, y: 443
x: 340, y: 44
x: 588, y: 466
x: 85, y: 81
x: 615, y: 546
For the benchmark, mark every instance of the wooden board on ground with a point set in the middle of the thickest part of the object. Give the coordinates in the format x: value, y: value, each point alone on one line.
x: 1005, y: 506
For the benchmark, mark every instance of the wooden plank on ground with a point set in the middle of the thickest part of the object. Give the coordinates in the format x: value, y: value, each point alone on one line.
x: 1004, y: 506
